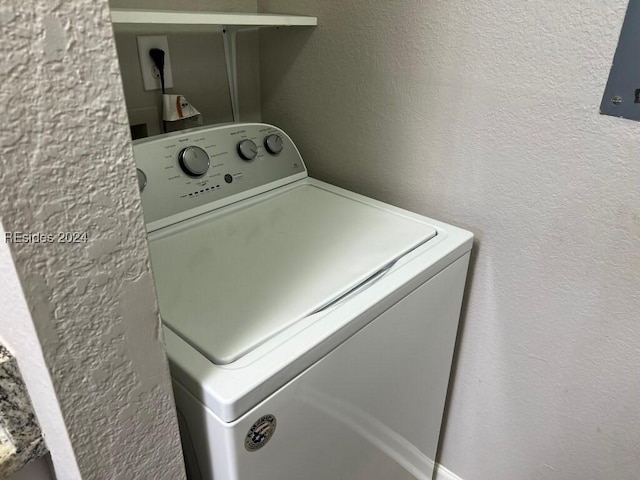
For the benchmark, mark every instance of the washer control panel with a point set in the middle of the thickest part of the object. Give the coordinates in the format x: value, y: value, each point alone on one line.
x: 191, y: 172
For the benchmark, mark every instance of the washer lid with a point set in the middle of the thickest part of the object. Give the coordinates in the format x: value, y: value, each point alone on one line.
x: 228, y: 284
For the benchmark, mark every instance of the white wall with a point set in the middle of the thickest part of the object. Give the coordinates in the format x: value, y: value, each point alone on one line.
x: 67, y: 166
x: 485, y: 114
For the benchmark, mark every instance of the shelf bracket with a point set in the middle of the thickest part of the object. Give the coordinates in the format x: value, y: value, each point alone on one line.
x: 230, y: 57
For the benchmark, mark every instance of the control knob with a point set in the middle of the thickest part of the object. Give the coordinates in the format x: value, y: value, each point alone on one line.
x: 273, y: 144
x: 194, y: 161
x: 142, y: 179
x: 247, y: 149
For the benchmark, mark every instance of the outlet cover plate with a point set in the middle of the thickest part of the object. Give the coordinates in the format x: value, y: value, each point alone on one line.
x: 622, y: 94
x: 150, y: 74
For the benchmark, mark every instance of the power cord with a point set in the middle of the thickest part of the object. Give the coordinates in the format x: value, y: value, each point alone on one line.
x: 157, y: 55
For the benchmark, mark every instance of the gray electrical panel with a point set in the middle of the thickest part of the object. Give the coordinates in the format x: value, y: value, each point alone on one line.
x: 622, y: 95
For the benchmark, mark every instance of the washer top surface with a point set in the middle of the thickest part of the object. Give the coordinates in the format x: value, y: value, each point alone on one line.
x: 229, y: 281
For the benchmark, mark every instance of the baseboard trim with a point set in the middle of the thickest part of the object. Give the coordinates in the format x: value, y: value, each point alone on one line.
x: 442, y: 473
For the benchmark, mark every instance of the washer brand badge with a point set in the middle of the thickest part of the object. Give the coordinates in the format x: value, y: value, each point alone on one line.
x: 260, y: 433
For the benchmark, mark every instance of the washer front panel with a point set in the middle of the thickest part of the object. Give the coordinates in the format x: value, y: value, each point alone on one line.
x: 375, y: 399
x: 172, y: 194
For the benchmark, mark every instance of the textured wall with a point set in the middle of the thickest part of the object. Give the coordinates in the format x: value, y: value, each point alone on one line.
x: 66, y: 166
x: 485, y: 114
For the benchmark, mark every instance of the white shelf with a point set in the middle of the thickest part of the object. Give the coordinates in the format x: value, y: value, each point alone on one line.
x: 175, y: 21
x: 170, y: 20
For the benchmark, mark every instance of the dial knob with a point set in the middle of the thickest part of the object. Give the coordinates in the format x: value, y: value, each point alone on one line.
x: 142, y: 179
x: 273, y: 144
x: 247, y: 149
x: 194, y: 161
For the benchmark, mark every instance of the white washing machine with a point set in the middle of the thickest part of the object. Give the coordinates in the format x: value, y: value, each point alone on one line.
x: 310, y: 330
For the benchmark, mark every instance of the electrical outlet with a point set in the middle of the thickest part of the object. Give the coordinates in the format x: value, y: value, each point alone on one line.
x: 150, y: 74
